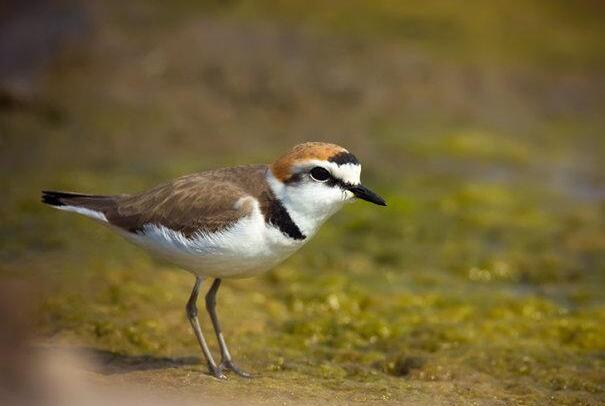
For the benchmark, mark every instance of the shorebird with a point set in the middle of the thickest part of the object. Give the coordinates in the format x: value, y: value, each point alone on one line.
x: 231, y: 222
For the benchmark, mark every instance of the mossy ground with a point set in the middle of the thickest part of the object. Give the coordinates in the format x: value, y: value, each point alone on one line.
x: 482, y: 281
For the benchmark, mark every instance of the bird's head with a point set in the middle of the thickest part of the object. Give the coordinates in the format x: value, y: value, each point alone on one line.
x: 317, y: 178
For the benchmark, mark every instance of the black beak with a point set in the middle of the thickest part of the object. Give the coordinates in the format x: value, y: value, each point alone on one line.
x: 362, y: 192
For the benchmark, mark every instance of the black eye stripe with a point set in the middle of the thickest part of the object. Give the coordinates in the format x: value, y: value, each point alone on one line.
x: 341, y: 183
x: 297, y: 177
x: 332, y: 181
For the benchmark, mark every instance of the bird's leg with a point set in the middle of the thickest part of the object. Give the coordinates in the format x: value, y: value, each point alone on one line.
x: 226, y: 361
x: 192, y: 316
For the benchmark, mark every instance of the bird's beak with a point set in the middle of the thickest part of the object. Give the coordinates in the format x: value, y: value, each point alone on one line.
x: 362, y: 192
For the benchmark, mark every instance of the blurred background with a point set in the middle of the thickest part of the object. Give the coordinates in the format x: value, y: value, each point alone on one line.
x: 481, y: 123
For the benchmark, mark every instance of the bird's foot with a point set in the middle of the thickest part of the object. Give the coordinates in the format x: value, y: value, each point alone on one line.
x: 216, y: 371
x: 229, y: 365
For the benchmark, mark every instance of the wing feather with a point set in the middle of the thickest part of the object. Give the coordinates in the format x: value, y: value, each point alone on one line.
x: 203, y: 202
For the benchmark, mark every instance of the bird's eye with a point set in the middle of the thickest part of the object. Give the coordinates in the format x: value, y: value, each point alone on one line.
x: 320, y: 174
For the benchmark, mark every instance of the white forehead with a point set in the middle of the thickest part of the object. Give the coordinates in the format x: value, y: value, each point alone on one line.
x: 348, y: 173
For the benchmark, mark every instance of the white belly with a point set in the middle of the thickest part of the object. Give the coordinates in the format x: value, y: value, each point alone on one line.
x: 246, y: 248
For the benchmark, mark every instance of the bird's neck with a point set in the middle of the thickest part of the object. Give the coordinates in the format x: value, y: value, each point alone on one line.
x: 304, y: 212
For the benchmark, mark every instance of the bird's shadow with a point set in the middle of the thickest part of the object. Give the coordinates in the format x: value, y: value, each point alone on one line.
x: 111, y: 363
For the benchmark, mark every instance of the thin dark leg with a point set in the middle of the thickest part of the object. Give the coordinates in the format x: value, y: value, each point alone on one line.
x: 192, y: 316
x: 226, y: 361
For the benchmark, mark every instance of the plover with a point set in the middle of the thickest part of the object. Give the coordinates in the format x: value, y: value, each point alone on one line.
x: 231, y: 222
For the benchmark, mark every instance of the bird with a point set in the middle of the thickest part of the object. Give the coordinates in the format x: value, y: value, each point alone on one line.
x: 231, y: 222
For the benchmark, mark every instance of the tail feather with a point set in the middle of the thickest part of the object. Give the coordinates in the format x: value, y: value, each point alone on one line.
x: 94, y: 206
x: 55, y: 198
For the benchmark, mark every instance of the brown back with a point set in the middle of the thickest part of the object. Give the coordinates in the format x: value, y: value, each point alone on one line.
x: 201, y: 202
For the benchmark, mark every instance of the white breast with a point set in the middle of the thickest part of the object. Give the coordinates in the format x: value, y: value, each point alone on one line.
x: 246, y: 248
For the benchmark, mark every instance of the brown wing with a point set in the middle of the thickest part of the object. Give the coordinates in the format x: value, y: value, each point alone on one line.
x: 200, y: 202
